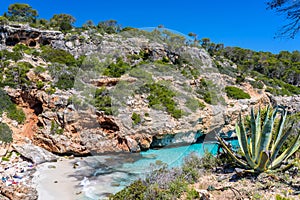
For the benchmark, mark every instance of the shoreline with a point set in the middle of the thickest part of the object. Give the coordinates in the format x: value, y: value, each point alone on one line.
x: 53, y: 180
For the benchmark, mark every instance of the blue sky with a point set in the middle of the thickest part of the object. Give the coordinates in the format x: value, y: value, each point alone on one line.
x: 234, y: 23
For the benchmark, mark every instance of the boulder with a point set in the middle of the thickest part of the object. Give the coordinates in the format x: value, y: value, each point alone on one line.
x: 34, y: 153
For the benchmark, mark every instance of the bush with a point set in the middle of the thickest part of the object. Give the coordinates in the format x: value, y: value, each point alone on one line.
x: 102, y: 101
x: 6, y: 105
x: 136, y: 118
x: 5, y: 133
x: 134, y: 191
x: 57, y: 56
x: 7, y: 55
x: 194, y: 104
x: 236, y: 93
x: 16, y: 114
x: 161, y: 97
x: 55, y: 128
x: 117, y: 69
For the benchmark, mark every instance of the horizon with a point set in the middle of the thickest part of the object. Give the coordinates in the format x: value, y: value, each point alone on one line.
x: 234, y: 23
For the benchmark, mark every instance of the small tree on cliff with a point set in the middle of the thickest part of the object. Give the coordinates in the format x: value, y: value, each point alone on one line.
x: 63, y: 21
x: 21, y: 13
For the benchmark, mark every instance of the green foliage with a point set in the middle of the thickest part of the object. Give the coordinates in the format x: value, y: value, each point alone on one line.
x: 102, y: 101
x: 64, y: 22
x: 194, y: 104
x: 236, y: 93
x: 55, y: 128
x: 25, y: 49
x: 39, y: 69
x: 6, y: 105
x: 5, y: 133
x: 40, y: 84
x: 262, y: 151
x: 192, y: 194
x: 164, y: 183
x: 278, y: 71
x: 16, y: 75
x: 134, y: 191
x: 136, y: 118
x: 57, y: 56
x: 16, y: 114
x: 109, y: 26
x: 279, y: 197
x: 21, y: 13
x: 3, y: 20
x: 208, y: 92
x: 7, y: 55
x: 117, y: 69
x: 161, y: 97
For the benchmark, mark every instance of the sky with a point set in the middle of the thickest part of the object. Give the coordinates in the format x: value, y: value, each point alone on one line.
x: 233, y: 23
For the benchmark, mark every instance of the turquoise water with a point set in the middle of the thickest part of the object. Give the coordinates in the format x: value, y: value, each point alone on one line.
x: 122, y: 173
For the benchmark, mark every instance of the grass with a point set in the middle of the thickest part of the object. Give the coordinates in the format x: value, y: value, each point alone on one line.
x: 236, y: 93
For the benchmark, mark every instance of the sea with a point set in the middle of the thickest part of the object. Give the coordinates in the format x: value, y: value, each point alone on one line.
x: 103, y: 175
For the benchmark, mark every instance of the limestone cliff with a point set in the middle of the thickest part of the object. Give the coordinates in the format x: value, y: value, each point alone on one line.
x: 68, y: 121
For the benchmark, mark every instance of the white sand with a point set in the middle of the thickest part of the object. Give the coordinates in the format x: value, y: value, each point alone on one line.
x: 65, y: 188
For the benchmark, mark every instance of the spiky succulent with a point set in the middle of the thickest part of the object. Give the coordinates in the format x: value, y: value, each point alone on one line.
x: 261, y: 149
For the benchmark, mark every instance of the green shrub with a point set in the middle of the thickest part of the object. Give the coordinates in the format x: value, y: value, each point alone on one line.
x: 16, y: 114
x: 5, y: 133
x: 134, y: 191
x: 161, y: 97
x: 117, y: 69
x: 236, y: 93
x: 192, y: 194
x: 193, y: 104
x: 3, y: 20
x: 7, y: 55
x: 40, y: 84
x: 102, y: 101
x: 136, y: 118
x: 207, y: 91
x: 55, y: 128
x: 57, y: 56
x: 6, y: 105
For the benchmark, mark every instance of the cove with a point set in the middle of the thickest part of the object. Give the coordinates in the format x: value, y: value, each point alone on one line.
x: 111, y: 173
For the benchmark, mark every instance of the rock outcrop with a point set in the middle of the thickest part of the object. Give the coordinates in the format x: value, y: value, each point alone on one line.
x: 63, y: 127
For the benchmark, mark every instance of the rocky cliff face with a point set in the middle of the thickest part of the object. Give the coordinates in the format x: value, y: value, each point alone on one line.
x: 62, y: 126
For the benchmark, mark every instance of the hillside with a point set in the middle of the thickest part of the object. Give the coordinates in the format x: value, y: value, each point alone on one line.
x: 89, y: 92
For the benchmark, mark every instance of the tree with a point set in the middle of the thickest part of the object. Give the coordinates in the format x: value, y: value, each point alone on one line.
x: 109, y: 26
x: 63, y: 21
x: 291, y: 10
x: 88, y: 24
x: 21, y: 13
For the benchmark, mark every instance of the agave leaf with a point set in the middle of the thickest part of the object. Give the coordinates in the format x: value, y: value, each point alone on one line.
x: 231, y: 154
x: 281, y: 126
x: 287, y: 153
x: 266, y: 134
x: 263, y: 161
x: 244, y: 141
x: 253, y: 134
x: 258, y: 133
x: 279, y: 142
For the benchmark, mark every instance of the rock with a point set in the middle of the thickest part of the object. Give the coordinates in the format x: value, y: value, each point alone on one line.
x: 132, y: 144
x: 34, y: 153
x: 204, y: 194
x: 20, y: 192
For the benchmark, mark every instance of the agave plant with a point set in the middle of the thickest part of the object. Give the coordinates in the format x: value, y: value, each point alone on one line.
x: 261, y: 149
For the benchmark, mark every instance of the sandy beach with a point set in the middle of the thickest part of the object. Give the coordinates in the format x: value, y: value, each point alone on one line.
x: 54, y: 181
